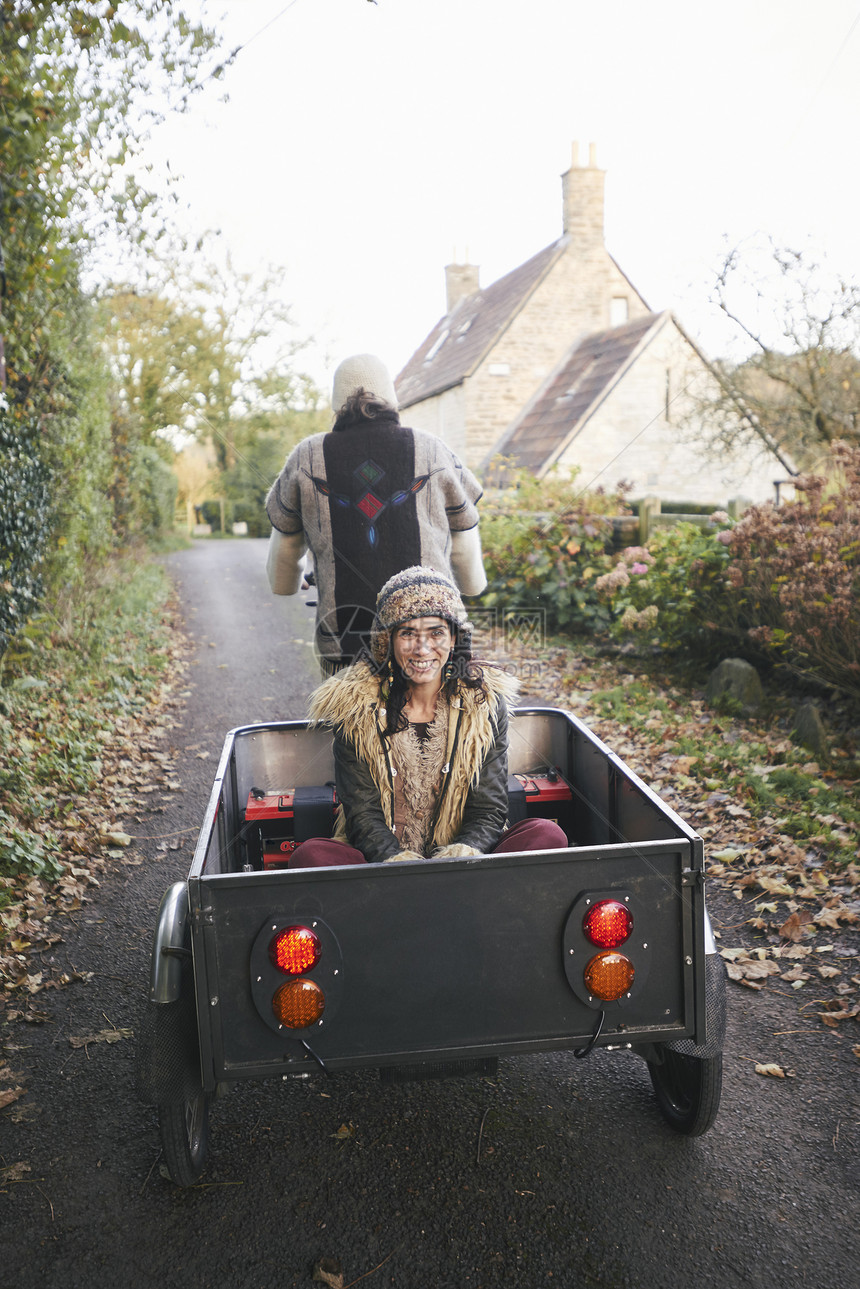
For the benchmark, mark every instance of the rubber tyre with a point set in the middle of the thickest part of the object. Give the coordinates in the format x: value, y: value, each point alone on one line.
x: 184, y: 1129
x: 688, y: 1090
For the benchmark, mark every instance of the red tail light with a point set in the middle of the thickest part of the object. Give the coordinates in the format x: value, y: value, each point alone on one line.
x: 608, y: 924
x: 295, y: 950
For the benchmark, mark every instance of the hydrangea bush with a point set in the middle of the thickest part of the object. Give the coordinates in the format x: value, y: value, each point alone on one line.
x: 781, y: 585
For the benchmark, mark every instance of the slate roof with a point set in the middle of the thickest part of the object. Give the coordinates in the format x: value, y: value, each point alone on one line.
x: 460, y: 339
x: 558, y: 411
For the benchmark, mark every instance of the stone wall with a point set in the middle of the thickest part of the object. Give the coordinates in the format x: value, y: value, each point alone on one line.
x: 444, y: 416
x: 572, y: 301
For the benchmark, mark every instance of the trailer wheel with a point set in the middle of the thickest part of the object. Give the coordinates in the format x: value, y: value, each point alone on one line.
x: 185, y: 1138
x: 688, y: 1089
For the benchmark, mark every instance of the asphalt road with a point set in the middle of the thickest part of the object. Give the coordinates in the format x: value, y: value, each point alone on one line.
x: 556, y: 1171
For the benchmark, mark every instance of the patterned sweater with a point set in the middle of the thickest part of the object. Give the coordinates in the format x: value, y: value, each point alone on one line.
x: 368, y: 501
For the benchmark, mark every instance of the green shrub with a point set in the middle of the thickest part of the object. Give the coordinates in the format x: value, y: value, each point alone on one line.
x: 210, y: 513
x: 545, y: 544
x: 156, y: 489
x: 24, y: 523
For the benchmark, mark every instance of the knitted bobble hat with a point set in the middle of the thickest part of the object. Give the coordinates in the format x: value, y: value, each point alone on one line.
x: 415, y: 593
x: 362, y: 371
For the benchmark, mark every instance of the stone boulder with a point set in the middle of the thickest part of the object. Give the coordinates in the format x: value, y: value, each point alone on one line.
x: 809, y: 730
x: 737, y: 679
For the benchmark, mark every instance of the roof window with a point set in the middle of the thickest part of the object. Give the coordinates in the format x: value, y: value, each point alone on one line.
x: 435, y: 347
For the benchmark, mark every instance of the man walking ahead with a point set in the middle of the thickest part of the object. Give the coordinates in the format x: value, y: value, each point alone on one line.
x: 367, y: 499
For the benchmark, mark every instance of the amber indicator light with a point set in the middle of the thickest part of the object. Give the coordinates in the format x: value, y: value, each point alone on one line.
x: 295, y: 950
x: 609, y: 975
x: 608, y: 923
x: 298, y: 1003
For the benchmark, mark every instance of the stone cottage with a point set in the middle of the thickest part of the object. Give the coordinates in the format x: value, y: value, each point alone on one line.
x: 561, y: 362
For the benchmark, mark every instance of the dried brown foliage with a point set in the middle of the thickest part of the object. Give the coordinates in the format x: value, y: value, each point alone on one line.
x: 796, y: 571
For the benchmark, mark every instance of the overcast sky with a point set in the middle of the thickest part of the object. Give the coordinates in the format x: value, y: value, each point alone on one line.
x: 364, y: 146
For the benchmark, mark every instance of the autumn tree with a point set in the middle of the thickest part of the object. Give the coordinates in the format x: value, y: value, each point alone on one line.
x: 797, y: 326
x: 200, y: 351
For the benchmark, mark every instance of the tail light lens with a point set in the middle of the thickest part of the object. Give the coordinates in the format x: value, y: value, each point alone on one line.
x: 295, y: 973
x: 609, y: 975
x: 295, y: 950
x: 607, y: 924
x: 298, y: 1003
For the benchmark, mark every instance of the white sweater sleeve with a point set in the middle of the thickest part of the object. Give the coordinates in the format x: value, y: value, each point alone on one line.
x: 467, y: 562
x: 284, y: 562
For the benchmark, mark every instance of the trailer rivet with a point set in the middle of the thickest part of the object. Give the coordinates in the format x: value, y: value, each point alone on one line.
x: 213, y: 1002
x: 645, y: 945
x: 689, y: 961
x: 336, y: 970
x: 259, y: 978
x: 571, y: 952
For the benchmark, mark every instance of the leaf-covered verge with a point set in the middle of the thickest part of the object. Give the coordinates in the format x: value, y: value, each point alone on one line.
x: 84, y: 708
x: 781, y: 831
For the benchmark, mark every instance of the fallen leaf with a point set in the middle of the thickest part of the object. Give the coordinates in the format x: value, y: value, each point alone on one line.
x: 8, y: 1095
x: 727, y: 855
x: 329, y: 1271
x: 830, y: 916
x: 793, y: 928
x: 774, y: 885
x: 14, y: 1172
x: 115, y: 839
x: 103, y: 1036
x: 771, y: 1071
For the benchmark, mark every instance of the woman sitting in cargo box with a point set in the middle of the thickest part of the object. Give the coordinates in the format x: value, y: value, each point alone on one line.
x: 420, y: 740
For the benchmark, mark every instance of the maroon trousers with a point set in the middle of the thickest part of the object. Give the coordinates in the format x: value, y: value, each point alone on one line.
x: 528, y: 834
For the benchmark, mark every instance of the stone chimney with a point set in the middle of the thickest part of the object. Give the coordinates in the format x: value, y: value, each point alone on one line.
x: 460, y: 280
x: 582, y: 193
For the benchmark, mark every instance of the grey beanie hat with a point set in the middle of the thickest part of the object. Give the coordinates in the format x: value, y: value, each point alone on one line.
x: 414, y: 593
x: 362, y: 371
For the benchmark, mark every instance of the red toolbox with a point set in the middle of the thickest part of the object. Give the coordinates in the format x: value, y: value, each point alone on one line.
x: 277, y: 822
